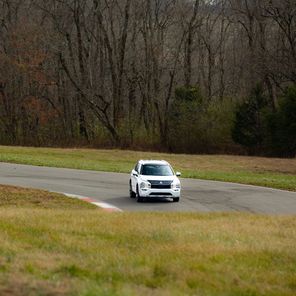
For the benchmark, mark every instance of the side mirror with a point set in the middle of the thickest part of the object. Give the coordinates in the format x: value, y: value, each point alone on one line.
x: 135, y: 173
x: 178, y: 174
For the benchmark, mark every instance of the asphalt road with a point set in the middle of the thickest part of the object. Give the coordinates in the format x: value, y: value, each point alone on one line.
x: 197, y: 195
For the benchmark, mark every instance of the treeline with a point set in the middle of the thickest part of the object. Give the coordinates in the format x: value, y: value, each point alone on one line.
x: 177, y: 75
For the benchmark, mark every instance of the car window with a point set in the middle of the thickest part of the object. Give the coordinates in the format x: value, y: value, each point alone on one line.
x: 156, y: 170
x: 137, y: 167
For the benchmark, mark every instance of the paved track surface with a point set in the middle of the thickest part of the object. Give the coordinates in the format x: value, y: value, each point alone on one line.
x: 197, y: 195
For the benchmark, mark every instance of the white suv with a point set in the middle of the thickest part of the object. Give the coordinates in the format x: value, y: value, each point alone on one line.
x: 154, y: 178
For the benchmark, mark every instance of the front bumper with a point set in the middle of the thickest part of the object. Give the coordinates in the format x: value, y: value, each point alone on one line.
x: 176, y: 192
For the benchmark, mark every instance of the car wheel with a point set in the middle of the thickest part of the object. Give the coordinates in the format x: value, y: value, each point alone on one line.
x: 139, y: 197
x: 176, y: 199
x: 131, y: 192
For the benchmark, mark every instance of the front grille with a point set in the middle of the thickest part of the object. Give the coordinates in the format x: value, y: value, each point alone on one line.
x: 160, y: 193
x: 155, y: 184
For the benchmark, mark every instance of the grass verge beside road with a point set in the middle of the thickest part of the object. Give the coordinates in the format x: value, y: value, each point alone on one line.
x: 269, y: 172
x: 15, y: 197
x: 78, y: 250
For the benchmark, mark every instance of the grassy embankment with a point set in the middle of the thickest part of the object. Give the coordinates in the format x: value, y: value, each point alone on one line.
x: 270, y: 172
x: 51, y: 245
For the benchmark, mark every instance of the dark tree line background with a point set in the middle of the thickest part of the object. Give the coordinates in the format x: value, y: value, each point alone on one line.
x: 201, y: 76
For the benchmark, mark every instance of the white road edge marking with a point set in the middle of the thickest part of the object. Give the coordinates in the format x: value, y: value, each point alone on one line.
x: 105, y: 206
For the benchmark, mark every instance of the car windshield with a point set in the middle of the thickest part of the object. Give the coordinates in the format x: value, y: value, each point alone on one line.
x: 156, y: 170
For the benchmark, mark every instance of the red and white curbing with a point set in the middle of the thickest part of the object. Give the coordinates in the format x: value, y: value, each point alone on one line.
x: 105, y: 206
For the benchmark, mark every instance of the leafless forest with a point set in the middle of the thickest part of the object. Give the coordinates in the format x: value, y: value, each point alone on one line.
x: 151, y: 74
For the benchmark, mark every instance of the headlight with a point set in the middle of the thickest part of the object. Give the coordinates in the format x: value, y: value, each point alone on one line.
x: 145, y: 185
x: 176, y: 185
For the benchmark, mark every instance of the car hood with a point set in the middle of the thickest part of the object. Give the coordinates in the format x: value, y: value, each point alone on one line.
x: 161, y: 178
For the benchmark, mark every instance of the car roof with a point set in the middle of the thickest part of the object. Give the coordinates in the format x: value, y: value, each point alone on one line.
x: 159, y: 162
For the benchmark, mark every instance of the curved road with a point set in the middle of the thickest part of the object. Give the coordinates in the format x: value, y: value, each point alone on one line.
x: 197, y: 195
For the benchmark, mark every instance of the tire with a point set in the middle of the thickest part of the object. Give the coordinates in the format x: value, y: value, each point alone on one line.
x: 139, y: 197
x: 131, y: 192
x: 176, y: 199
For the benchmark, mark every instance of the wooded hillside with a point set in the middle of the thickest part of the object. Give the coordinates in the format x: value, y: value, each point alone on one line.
x: 180, y: 75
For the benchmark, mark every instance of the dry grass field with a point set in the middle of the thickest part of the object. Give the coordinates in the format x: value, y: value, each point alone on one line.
x: 15, y: 197
x: 270, y: 172
x: 76, y: 249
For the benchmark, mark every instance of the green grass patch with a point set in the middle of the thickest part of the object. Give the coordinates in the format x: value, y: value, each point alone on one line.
x: 269, y: 172
x: 50, y: 251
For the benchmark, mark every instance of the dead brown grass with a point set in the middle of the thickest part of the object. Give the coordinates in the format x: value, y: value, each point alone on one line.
x: 16, y: 285
x: 21, y: 197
